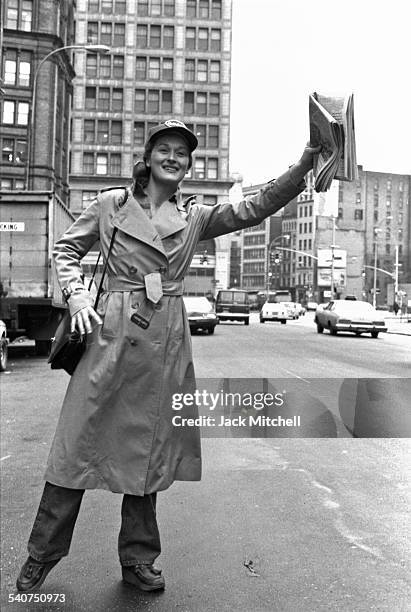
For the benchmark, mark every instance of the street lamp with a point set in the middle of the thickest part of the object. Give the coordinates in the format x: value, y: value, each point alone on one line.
x: 272, y: 243
x: 100, y: 49
x: 377, y: 230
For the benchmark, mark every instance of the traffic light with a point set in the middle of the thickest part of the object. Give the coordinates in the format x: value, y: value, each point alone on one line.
x: 275, y: 258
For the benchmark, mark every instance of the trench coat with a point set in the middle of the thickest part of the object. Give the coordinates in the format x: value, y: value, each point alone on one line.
x: 115, y: 429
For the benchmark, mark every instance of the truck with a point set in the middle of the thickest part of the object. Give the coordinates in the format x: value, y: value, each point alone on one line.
x: 31, y: 301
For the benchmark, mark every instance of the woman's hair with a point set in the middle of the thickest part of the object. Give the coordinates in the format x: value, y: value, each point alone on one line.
x: 141, y: 171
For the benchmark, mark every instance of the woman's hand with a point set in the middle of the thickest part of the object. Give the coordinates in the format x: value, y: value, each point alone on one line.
x: 307, y: 158
x: 82, y: 320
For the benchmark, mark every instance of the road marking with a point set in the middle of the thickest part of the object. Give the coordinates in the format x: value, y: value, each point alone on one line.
x: 6, y: 457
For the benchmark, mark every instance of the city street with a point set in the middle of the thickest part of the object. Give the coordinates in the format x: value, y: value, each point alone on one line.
x: 275, y: 524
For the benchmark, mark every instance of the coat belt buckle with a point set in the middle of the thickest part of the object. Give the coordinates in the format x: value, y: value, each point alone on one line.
x: 140, y: 321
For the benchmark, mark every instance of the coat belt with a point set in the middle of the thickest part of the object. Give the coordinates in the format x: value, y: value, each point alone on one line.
x: 145, y: 310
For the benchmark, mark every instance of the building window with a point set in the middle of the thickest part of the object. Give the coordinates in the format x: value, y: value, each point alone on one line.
x: 91, y: 65
x: 15, y: 113
x: 190, y: 70
x: 102, y: 132
x: 154, y: 68
x: 139, y: 133
x: 115, y: 164
x: 376, y: 185
x: 17, y: 68
x: 141, y: 68
x: 215, y: 72
x: 87, y: 197
x: 400, y: 234
x: 190, y: 38
x: 376, y: 200
x: 118, y: 67
x: 89, y: 130
x: 216, y: 9
x: 166, y: 101
x: 153, y: 105
x: 202, y: 71
x: 168, y: 37
x: 93, y: 6
x: 88, y: 163
x: 116, y: 132
x: 91, y: 98
x: 400, y: 218
x: 189, y: 103
x: 101, y: 163
x: 155, y: 37
x: 13, y: 150
x: 19, y: 15
x: 169, y: 8
x: 103, y: 101
x: 142, y: 8
x: 105, y: 67
x: 340, y: 212
x: 210, y: 200
x: 142, y: 35
x: 214, y: 104
x: 168, y: 69
x: 191, y: 8
x: 401, y: 186
x: 213, y: 136
x: 202, y: 43
x: 199, y: 167
x: 375, y: 215
x: 119, y: 37
x: 117, y: 100
x: 140, y: 100
x: 212, y: 168
x: 358, y: 198
x: 387, y: 249
x: 358, y: 214
x: 215, y: 40
x: 92, y: 32
x: 389, y: 184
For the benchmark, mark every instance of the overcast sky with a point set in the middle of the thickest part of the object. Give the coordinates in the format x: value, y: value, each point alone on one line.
x: 285, y: 49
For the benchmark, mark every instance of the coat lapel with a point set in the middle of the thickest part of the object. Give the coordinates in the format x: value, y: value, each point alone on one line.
x: 169, y: 219
x: 132, y: 220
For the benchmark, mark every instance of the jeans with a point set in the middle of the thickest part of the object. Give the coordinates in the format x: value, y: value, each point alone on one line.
x: 50, y: 539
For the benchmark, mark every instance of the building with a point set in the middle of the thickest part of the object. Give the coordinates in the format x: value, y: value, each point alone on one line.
x: 168, y: 58
x: 36, y: 95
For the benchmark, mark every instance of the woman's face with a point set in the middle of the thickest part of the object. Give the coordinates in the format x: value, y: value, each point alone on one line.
x: 169, y: 159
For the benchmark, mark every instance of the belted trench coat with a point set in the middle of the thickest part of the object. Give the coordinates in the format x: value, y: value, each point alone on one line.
x: 115, y: 429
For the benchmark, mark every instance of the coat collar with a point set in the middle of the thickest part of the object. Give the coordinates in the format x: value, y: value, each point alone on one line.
x: 170, y: 218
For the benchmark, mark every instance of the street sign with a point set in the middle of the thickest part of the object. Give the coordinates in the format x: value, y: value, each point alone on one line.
x: 12, y: 226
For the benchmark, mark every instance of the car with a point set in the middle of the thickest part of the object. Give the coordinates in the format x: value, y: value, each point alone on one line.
x: 312, y: 306
x: 293, y: 308
x: 356, y: 316
x: 233, y: 305
x: 4, y: 346
x: 275, y: 311
x: 200, y: 313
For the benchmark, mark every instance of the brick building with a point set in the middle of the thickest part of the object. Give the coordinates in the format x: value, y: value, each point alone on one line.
x: 30, y: 31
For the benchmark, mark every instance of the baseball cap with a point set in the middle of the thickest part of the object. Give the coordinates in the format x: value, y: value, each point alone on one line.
x: 174, y: 125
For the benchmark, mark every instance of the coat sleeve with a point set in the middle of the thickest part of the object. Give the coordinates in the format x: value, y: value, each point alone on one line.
x: 68, y: 252
x: 225, y: 218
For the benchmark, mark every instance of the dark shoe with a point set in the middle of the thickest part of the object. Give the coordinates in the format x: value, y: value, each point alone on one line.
x: 33, y: 573
x: 144, y: 577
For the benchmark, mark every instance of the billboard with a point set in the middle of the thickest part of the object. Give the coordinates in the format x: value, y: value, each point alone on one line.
x: 325, y: 256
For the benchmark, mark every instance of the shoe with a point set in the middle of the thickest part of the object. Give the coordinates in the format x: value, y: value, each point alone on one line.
x: 33, y: 573
x: 144, y: 577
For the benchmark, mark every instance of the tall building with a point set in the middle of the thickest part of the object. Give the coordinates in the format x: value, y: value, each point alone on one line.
x: 168, y: 58
x: 36, y: 100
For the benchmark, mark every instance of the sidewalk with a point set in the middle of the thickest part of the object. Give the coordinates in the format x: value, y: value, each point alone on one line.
x: 398, y: 324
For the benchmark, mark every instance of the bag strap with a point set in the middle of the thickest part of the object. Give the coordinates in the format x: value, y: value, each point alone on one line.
x: 100, y: 287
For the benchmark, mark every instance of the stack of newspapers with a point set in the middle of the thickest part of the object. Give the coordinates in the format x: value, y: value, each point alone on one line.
x: 332, y: 126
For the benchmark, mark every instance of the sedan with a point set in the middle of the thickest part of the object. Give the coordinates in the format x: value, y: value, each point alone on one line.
x: 349, y: 316
x: 200, y: 314
x: 275, y: 311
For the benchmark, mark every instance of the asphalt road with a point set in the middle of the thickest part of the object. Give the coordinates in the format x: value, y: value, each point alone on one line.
x: 325, y: 522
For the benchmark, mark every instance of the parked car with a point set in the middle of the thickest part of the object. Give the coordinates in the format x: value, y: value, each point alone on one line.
x: 293, y: 308
x: 233, y: 305
x: 275, y: 311
x: 201, y: 314
x: 4, y: 342
x: 311, y: 306
x: 349, y: 316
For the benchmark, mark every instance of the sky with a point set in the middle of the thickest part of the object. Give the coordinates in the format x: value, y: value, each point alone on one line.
x: 283, y: 50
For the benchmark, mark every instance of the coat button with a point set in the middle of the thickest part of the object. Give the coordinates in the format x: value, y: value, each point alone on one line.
x: 157, y: 307
x: 162, y: 270
x: 133, y: 342
x: 132, y: 269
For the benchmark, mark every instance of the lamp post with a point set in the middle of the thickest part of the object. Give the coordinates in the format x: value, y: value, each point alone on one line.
x: 377, y: 230
x: 100, y: 49
x: 272, y: 243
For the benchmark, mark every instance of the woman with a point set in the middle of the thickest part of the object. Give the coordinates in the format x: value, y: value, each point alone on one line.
x: 115, y: 430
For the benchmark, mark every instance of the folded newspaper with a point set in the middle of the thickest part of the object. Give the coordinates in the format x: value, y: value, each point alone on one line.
x: 332, y: 126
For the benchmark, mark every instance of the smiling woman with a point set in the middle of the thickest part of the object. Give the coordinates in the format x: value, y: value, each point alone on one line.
x: 115, y: 429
